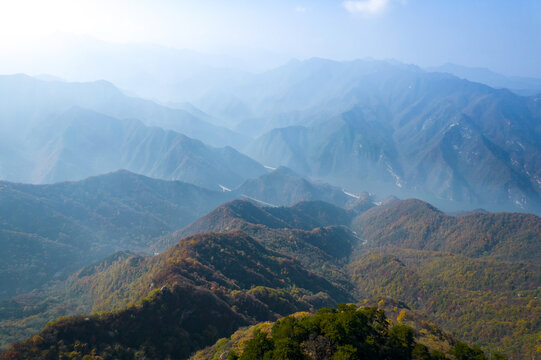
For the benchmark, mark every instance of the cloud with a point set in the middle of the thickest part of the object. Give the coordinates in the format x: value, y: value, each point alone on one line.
x: 366, y: 6
x: 300, y: 9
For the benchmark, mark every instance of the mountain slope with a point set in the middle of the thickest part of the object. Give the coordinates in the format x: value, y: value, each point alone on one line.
x: 476, y: 275
x: 313, y: 233
x: 285, y: 187
x: 396, y: 129
x: 415, y: 224
x: 212, y: 283
x: 486, y: 301
x: 242, y: 214
x: 519, y: 85
x: 284, y: 260
x: 81, y: 143
x: 27, y: 101
x: 48, y: 231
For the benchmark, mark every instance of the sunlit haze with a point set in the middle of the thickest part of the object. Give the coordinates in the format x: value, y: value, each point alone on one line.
x: 500, y: 35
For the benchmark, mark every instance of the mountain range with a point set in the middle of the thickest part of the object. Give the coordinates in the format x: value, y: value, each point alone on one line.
x: 399, y: 130
x: 28, y: 102
x: 367, y: 125
x: 257, y: 214
x: 49, y: 231
x: 251, y: 263
x: 49, y: 137
x: 520, y: 85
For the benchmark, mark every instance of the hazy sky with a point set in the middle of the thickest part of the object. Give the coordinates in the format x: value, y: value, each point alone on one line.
x: 504, y: 35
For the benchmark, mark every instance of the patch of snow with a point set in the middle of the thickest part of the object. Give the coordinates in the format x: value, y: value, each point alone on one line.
x: 350, y: 194
x: 258, y: 201
x: 224, y: 189
x: 394, y: 175
x: 269, y: 167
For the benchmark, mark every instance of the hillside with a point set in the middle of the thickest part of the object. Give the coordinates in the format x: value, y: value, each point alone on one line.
x: 396, y: 129
x: 243, y: 214
x: 79, y: 143
x: 49, y: 231
x: 268, y: 262
x: 285, y: 187
x: 485, y: 301
x: 450, y: 288
x: 202, y: 272
x: 28, y: 101
x: 414, y: 224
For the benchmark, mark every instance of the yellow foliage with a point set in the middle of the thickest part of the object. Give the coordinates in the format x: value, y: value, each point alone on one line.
x: 401, y: 316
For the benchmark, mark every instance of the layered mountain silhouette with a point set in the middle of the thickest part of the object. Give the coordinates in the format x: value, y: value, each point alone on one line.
x: 80, y: 143
x: 27, y: 101
x: 398, y: 129
x: 367, y: 125
x: 262, y: 197
x: 517, y: 84
x: 283, y: 186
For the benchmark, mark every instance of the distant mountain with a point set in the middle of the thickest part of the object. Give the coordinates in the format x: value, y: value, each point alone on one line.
x: 149, y: 70
x: 520, y: 85
x: 283, y: 186
x: 395, y: 129
x: 49, y: 231
x: 297, y: 93
x: 80, y: 143
x: 26, y: 102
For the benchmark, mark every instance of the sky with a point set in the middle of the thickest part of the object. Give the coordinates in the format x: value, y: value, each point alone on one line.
x: 503, y: 35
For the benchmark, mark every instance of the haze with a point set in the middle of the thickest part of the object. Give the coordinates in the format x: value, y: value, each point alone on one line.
x: 500, y: 35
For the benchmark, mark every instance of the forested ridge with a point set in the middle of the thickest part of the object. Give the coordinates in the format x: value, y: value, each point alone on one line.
x: 260, y: 264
